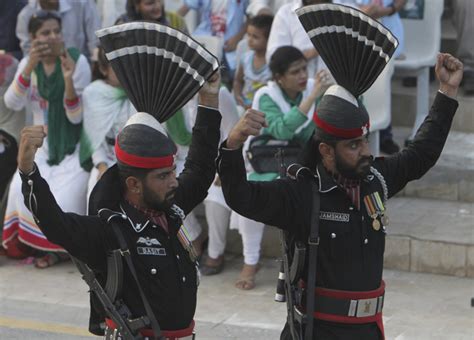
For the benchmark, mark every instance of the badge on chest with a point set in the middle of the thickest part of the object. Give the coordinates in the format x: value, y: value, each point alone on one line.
x: 150, y: 246
x: 334, y: 216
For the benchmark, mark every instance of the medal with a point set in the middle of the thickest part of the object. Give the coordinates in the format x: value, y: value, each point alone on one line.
x: 376, y: 224
x: 183, y: 237
x: 375, y: 208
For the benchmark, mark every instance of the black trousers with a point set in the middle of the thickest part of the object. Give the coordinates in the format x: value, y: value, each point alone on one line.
x: 8, y: 154
x: 335, y: 331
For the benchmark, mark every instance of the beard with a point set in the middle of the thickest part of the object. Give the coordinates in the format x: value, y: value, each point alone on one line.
x: 357, y: 172
x: 152, y: 201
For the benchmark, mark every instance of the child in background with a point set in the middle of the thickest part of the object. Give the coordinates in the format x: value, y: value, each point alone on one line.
x: 223, y: 19
x: 252, y: 71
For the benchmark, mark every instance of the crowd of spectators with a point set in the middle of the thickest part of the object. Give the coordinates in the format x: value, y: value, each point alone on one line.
x: 54, y: 73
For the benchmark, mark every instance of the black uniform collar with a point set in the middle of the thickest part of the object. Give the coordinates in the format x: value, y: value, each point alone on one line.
x: 326, y: 181
x: 137, y: 219
x: 107, y: 193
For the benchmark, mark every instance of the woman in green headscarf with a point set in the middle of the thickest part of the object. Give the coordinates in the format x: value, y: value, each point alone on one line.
x: 50, y: 81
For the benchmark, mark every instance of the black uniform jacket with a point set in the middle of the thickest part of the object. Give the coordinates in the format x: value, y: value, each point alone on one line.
x: 350, y: 254
x: 166, y: 273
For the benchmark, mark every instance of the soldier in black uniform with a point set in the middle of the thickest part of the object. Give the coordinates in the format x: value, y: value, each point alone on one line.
x: 144, y: 195
x: 353, y: 190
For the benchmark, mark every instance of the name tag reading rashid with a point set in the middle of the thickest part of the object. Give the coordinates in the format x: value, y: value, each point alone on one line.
x: 334, y: 216
x: 151, y: 251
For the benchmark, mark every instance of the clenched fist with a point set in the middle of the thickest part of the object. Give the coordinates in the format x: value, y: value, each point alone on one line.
x: 209, y: 93
x: 249, y: 124
x: 31, y: 139
x: 449, y: 72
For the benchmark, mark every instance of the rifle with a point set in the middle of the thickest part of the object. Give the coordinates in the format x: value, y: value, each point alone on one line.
x: 126, y: 327
x: 290, y: 270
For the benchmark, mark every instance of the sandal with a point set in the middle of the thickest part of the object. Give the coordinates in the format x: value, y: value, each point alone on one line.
x: 206, y: 269
x: 51, y: 259
x: 246, y: 280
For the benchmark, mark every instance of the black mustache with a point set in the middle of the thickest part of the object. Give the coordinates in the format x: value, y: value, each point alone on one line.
x: 369, y: 159
x: 170, y: 194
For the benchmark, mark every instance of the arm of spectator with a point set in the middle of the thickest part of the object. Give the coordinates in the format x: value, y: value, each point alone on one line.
x: 16, y: 95
x: 183, y: 10
x: 310, y: 53
x: 72, y: 104
x: 238, y: 85
x: 322, y: 81
x: 399, y: 4
x: 378, y: 11
x: 22, y: 28
x: 76, y: 78
x: 100, y: 155
x: 91, y: 24
x: 279, y: 35
x: 281, y: 125
x: 231, y: 44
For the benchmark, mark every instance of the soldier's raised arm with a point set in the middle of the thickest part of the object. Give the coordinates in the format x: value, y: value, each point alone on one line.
x: 424, y: 151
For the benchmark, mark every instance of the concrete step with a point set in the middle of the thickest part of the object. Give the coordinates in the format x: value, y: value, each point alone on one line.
x: 404, y: 106
x: 431, y: 236
x: 452, y: 178
x: 428, y: 236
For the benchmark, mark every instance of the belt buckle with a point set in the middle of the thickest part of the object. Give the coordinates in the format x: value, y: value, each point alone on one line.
x: 366, y: 307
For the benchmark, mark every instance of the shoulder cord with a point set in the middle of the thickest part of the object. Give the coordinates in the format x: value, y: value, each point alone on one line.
x: 313, y: 243
x: 382, y: 182
x: 126, y: 254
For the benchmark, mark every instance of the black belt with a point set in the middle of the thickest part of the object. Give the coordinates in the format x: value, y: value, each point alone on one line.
x: 348, y: 305
x: 345, y: 307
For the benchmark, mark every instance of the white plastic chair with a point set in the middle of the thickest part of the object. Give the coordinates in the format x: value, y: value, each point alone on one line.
x: 215, y: 45
x: 422, y: 44
x: 377, y: 101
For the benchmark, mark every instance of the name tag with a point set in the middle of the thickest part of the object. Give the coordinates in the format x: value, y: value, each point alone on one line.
x: 334, y: 216
x: 151, y: 251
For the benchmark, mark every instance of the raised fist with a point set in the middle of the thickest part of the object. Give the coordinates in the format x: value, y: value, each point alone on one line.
x: 249, y: 124
x: 449, y: 72
x: 31, y: 139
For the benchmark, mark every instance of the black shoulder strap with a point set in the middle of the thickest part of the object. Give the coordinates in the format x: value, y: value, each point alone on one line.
x: 126, y: 254
x: 313, y: 242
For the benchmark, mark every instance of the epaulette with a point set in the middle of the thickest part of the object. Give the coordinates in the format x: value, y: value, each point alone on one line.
x: 297, y: 171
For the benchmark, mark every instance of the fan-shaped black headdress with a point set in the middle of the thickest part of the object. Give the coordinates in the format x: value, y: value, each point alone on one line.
x: 354, y: 46
x: 356, y: 49
x: 159, y: 67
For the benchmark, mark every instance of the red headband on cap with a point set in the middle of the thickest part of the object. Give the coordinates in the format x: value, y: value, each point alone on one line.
x: 340, y: 132
x: 143, y: 162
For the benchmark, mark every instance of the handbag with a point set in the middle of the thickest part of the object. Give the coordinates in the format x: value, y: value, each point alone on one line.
x: 263, y: 150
